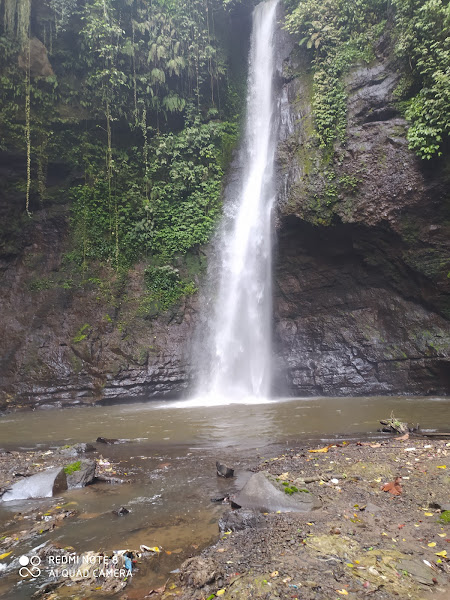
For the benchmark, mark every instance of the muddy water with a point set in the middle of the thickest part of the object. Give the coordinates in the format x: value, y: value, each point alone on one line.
x: 170, y: 455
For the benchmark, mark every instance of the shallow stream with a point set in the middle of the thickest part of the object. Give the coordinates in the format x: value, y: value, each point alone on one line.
x: 170, y: 453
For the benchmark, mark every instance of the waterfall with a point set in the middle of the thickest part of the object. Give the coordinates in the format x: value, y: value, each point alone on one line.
x: 236, y: 350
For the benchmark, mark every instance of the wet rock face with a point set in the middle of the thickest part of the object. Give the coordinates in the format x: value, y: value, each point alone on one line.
x: 41, y: 485
x: 342, y: 328
x: 71, y: 343
x: 362, y: 296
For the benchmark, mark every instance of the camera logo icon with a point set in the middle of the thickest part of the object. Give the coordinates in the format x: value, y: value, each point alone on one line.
x: 29, y: 566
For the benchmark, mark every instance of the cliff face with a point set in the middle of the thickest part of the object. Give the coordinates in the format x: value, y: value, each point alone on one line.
x: 68, y: 337
x: 361, y: 280
x: 79, y: 341
x: 362, y: 276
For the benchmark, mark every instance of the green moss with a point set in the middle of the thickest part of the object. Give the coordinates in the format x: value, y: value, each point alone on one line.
x: 81, y: 334
x: 445, y: 516
x: 41, y: 283
x: 75, y: 466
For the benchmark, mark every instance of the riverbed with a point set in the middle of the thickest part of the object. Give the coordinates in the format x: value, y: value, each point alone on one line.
x: 168, y: 451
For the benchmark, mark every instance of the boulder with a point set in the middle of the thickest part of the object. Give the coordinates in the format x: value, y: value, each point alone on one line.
x: 198, y: 572
x: 264, y: 493
x: 82, y: 476
x: 224, y: 470
x: 39, y: 64
x: 238, y: 520
x: 41, y: 485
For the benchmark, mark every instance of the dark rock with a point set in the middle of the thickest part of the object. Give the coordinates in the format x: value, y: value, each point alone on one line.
x: 41, y: 485
x: 358, y: 279
x: 84, y: 448
x: 198, y: 572
x: 77, y: 449
x: 220, y: 498
x: 83, y: 476
x: 238, y: 520
x: 102, y: 440
x: 122, y: 511
x: 223, y: 470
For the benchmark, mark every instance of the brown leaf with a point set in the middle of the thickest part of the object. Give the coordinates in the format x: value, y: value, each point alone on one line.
x: 403, y: 438
x: 393, y: 487
x: 159, y: 590
x: 325, y: 449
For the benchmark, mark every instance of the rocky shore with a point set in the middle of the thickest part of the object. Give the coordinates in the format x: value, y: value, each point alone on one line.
x: 362, y: 541
x: 353, y: 539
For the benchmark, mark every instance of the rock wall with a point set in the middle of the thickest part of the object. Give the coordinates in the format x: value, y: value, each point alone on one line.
x: 361, y: 280
x: 362, y: 302
x: 70, y: 337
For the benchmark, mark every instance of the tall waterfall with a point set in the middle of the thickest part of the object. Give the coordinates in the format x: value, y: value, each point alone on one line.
x: 238, y: 345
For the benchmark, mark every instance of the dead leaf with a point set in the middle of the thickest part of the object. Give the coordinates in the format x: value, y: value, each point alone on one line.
x: 403, y: 438
x: 324, y: 449
x: 159, y: 590
x: 393, y: 487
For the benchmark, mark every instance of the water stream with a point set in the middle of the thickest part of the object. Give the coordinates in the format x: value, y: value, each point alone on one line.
x: 170, y: 456
x: 237, y: 361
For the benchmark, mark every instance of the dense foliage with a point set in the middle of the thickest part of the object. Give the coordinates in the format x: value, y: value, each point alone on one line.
x: 339, y: 33
x: 135, y: 96
x: 424, y: 46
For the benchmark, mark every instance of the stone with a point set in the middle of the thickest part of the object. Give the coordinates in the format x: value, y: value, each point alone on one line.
x: 263, y: 493
x: 82, y: 476
x: 372, y: 508
x: 109, y: 441
x: 224, y: 470
x: 121, y: 512
x: 198, y: 572
x: 41, y: 485
x: 39, y: 63
x: 238, y: 520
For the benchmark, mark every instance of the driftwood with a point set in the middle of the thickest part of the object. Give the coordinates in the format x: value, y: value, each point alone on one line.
x: 393, y: 425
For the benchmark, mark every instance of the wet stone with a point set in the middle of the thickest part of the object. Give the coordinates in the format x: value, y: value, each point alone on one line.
x: 41, y: 485
x: 264, y: 493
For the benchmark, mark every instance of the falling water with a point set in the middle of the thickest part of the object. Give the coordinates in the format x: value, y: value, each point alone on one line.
x: 238, y: 350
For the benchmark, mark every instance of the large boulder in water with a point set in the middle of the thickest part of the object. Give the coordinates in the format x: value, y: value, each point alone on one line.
x: 42, y: 485
x: 82, y: 476
x: 265, y: 493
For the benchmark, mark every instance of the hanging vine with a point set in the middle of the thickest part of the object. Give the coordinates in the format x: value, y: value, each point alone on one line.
x: 28, y: 126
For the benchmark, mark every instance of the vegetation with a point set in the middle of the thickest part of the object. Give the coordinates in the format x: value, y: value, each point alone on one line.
x: 338, y: 34
x: 423, y: 44
x: 136, y: 100
x: 75, y: 466
x: 136, y: 97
